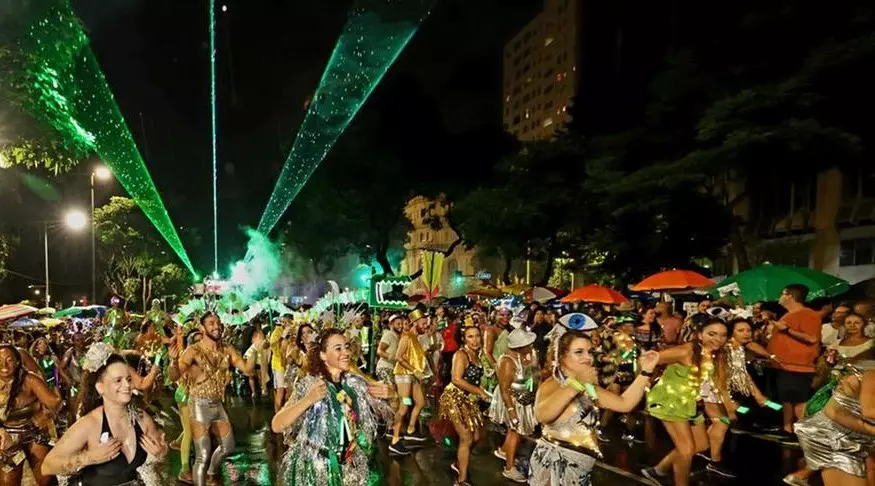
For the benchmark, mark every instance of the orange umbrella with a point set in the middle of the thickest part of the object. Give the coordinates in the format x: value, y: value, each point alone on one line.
x: 596, y: 294
x: 673, y: 280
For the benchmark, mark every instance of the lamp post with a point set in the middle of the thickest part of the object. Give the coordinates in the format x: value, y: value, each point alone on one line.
x: 103, y: 174
x: 75, y: 220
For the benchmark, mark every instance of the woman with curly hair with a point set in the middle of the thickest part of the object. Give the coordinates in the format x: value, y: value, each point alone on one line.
x: 567, y: 405
x: 330, y: 422
x: 22, y: 394
x: 112, y: 440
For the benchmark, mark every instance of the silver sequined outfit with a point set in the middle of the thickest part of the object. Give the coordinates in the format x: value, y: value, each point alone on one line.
x: 522, y: 391
x: 556, y: 465
x: 306, y: 460
x: 739, y: 379
x: 827, y: 444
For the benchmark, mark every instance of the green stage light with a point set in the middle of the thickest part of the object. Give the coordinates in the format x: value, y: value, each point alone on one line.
x: 215, y: 142
x: 375, y: 34
x: 67, y: 89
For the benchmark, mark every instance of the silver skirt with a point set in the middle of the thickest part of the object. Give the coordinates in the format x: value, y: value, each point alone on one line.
x: 827, y: 444
x: 557, y: 466
x: 497, y: 413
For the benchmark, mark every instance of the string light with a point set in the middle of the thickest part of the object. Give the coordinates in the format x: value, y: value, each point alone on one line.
x: 375, y: 34
x: 67, y: 90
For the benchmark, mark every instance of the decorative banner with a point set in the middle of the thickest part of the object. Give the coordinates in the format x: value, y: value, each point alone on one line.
x: 387, y: 292
x: 432, y: 270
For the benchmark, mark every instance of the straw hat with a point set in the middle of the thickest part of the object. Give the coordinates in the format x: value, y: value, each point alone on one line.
x: 520, y: 338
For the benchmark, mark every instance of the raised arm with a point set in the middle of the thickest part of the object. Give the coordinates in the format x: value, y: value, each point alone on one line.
x: 293, y: 410
x: 49, y: 398
x: 551, y: 400
x: 246, y: 366
x: 632, y: 396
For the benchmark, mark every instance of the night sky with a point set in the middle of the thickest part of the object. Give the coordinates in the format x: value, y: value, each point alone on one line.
x: 271, y: 54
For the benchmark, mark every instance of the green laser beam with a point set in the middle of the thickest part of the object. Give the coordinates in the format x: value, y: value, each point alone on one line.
x: 215, y: 140
x: 67, y: 89
x: 375, y: 34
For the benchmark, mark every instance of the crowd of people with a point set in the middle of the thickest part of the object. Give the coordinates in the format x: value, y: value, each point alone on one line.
x: 78, y: 405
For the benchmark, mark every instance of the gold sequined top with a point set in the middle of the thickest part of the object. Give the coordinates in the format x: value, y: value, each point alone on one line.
x: 215, y: 373
x: 414, y: 355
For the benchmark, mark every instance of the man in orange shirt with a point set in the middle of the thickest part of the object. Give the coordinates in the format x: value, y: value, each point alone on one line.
x: 795, y: 345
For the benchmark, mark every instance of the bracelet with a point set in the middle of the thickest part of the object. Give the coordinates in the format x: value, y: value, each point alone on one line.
x: 648, y: 374
x: 576, y: 385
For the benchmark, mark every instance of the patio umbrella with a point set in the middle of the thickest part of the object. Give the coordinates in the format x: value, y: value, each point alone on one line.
x: 485, y: 292
x: 46, y: 311
x: 542, y: 294
x: 765, y: 283
x: 51, y: 322
x: 596, y: 294
x: 24, y: 322
x: 74, y: 311
x: 14, y: 311
x: 518, y: 288
x: 673, y: 280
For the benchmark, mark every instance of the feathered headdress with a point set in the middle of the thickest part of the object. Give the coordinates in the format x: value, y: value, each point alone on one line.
x: 96, y: 356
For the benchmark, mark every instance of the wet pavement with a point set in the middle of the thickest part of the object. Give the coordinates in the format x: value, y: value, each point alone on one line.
x: 757, y: 461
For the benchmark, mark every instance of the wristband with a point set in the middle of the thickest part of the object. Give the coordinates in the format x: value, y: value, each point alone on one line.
x: 576, y: 385
x: 648, y: 374
x: 774, y: 406
x: 725, y: 420
x: 742, y: 409
x: 590, y: 390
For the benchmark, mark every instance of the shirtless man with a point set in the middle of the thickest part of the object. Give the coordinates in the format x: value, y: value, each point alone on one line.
x: 206, y: 368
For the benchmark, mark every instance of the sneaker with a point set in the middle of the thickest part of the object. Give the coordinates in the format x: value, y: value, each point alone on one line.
x: 415, y: 437
x: 514, y: 475
x: 655, y: 478
x: 399, y: 448
x: 716, y: 468
x: 794, y: 481
x: 704, y: 455
x: 499, y: 454
x: 390, y: 434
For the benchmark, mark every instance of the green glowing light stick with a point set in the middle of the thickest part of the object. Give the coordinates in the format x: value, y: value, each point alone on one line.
x: 67, y: 90
x: 375, y: 34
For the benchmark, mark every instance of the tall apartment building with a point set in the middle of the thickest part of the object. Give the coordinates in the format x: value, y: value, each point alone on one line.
x: 541, y: 65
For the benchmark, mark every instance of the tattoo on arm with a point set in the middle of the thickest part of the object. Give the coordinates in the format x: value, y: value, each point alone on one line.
x: 73, y: 463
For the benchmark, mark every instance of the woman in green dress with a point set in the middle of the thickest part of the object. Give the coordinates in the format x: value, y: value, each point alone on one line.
x: 676, y: 399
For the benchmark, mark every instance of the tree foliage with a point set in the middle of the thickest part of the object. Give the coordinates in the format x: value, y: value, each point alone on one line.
x: 136, y: 263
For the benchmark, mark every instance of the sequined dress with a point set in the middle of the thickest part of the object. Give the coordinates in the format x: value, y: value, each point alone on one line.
x: 568, y: 448
x: 827, y: 444
x: 522, y: 391
x: 675, y: 395
x: 316, y: 456
x: 457, y: 404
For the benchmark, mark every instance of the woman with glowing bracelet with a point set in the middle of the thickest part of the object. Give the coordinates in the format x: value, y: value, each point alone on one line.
x: 676, y: 398
x: 567, y: 404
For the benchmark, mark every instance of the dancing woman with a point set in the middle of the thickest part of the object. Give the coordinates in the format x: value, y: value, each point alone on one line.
x: 112, y: 440
x: 567, y: 404
x: 459, y: 403
x: 22, y: 393
x: 837, y: 440
x: 331, y: 420
x: 675, y: 398
x: 514, y: 398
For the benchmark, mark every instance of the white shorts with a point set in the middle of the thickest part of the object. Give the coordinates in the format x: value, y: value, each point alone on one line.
x: 279, y: 379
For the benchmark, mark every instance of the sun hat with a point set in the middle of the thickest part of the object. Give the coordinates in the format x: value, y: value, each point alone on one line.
x: 520, y: 338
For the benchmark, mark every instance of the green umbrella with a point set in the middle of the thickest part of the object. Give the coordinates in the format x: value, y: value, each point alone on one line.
x: 765, y: 283
x: 70, y: 312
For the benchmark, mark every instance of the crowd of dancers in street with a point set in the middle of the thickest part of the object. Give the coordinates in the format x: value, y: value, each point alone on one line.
x: 77, y: 404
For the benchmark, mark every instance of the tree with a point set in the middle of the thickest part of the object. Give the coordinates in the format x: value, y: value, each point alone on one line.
x: 7, y: 246
x: 137, y: 265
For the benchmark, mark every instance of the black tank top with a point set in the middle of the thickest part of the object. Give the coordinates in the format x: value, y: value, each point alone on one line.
x: 118, y: 470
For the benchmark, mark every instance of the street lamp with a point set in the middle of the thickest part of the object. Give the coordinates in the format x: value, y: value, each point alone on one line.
x: 103, y: 174
x: 75, y: 220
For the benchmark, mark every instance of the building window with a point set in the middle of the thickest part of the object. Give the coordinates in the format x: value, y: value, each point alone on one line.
x: 516, y: 120
x: 528, y: 114
x: 548, y: 122
x: 857, y: 252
